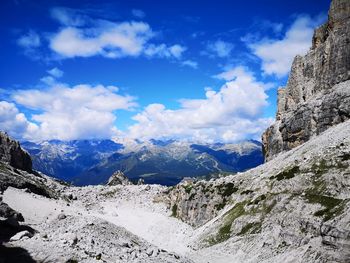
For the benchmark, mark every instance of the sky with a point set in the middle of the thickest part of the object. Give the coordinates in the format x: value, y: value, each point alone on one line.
x: 191, y: 70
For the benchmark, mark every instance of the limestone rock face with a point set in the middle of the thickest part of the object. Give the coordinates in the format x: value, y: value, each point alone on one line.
x: 118, y: 178
x: 318, y: 89
x: 12, y: 153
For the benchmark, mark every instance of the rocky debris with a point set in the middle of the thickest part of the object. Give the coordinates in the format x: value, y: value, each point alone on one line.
x: 86, y: 239
x: 21, y: 235
x: 8, y: 212
x: 16, y: 170
x: 35, y: 183
x: 198, y: 202
x: 141, y: 181
x: 61, y: 216
x: 317, y: 94
x: 295, y: 206
x: 118, y: 178
x: 12, y: 153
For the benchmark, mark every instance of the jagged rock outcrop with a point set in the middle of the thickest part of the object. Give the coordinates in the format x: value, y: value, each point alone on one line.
x: 12, y: 153
x: 118, y: 178
x: 198, y: 202
x: 317, y: 95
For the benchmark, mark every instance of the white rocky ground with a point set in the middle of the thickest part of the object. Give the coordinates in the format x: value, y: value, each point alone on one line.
x: 132, y: 223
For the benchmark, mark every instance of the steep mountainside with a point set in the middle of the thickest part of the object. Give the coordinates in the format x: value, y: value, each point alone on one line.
x: 163, y: 162
x: 11, y: 153
x: 317, y: 95
x: 294, y: 208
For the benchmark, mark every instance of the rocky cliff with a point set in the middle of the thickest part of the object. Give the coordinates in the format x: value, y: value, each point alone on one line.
x: 12, y: 153
x: 317, y: 95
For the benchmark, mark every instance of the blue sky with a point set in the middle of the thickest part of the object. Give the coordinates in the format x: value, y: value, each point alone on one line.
x: 197, y: 70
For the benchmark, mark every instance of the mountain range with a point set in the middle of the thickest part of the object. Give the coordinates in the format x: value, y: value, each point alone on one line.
x: 166, y: 162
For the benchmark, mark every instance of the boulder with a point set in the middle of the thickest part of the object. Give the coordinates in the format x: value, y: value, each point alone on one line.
x: 118, y: 178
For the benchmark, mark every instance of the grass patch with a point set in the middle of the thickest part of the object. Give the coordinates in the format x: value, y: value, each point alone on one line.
x: 332, y: 206
x: 227, y: 189
x: 230, y: 216
x: 174, y: 210
x: 345, y: 157
x: 247, y: 192
x: 257, y: 200
x: 251, y: 228
x: 286, y: 174
x: 188, y: 188
x: 220, y: 206
x: 264, y: 205
x: 320, y: 168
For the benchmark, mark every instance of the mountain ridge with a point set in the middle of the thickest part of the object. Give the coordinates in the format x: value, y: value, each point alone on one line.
x: 166, y: 162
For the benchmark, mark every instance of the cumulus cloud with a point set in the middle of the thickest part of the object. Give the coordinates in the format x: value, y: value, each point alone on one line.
x: 82, y: 36
x: 164, y: 51
x: 124, y: 39
x: 230, y: 114
x: 218, y: 48
x: 14, y: 122
x: 277, y: 54
x: 77, y: 112
x: 190, y: 63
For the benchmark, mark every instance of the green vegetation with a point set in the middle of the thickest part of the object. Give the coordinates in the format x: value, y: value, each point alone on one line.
x: 332, y: 206
x: 188, y: 188
x: 220, y: 206
x: 251, y: 228
x: 345, y: 157
x: 246, y: 192
x: 192, y: 196
x: 230, y: 216
x: 320, y: 168
x: 264, y: 205
x: 227, y: 189
x: 174, y: 210
x: 286, y: 174
x: 257, y: 200
x: 323, y: 166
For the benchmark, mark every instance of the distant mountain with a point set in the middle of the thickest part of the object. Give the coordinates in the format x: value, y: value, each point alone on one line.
x: 85, y: 162
x: 66, y: 159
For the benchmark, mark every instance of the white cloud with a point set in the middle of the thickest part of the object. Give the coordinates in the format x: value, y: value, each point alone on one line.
x: 55, y: 72
x: 219, y: 48
x: 29, y: 40
x: 164, y: 51
x: 14, y: 122
x: 231, y: 74
x: 190, y: 63
x: 138, y: 13
x: 82, y: 111
x: 230, y: 114
x: 124, y: 39
x: 277, y: 54
x: 82, y: 36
